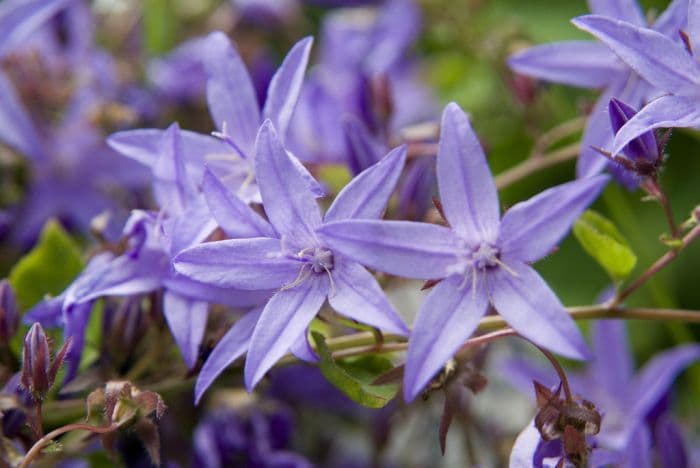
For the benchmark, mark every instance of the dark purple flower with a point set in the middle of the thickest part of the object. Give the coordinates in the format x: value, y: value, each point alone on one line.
x: 287, y: 255
x: 484, y: 260
x: 38, y: 370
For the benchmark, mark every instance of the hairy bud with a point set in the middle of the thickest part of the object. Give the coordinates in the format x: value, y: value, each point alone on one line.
x: 38, y: 371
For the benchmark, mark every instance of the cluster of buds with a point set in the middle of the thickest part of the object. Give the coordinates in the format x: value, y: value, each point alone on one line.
x: 568, y: 420
x: 125, y: 406
x: 38, y: 370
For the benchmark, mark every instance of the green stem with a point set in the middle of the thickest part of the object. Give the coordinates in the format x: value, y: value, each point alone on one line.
x: 41, y: 443
x: 536, y: 164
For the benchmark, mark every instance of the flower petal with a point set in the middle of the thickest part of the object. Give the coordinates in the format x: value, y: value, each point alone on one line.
x: 283, y: 320
x: 467, y: 190
x: 362, y: 147
x: 285, y: 86
x: 612, y: 367
x: 402, y: 248
x: 367, y: 195
x: 534, y: 311
x: 19, y: 19
x: 302, y: 349
x: 187, y: 320
x: 673, y: 19
x: 448, y: 317
x: 664, y: 112
x: 236, y: 218
x: 16, y: 127
x: 625, y: 10
x: 358, y: 296
x: 230, y: 92
x: 586, y: 64
x: 233, y: 345
x: 662, y: 62
x: 289, y: 204
x: 658, y: 375
x: 669, y: 441
x: 694, y: 25
x: 532, y: 228
x: 522, y: 455
x: 238, y: 263
x: 172, y: 186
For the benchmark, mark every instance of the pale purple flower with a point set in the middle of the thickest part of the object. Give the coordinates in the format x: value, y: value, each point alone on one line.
x: 625, y: 400
x: 288, y: 255
x: 663, y: 62
x: 481, y: 259
x: 589, y: 64
x: 237, y: 116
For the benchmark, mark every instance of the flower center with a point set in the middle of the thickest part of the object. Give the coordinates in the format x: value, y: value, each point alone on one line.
x: 318, y: 259
x: 485, y: 256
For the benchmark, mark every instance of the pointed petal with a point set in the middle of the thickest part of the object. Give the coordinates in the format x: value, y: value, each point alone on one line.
x: 302, y: 349
x: 358, y: 296
x: 283, y: 320
x: 448, y: 317
x: 529, y: 306
x: 19, y: 19
x: 467, y: 190
x: 206, y: 292
x: 664, y: 112
x: 143, y: 145
x: 694, y: 25
x: 402, y: 248
x: 230, y: 92
x: 172, y: 186
x: 662, y: 62
x: 597, y: 134
x: 238, y: 263
x: 625, y: 10
x: 233, y: 345
x: 285, y: 86
x: 362, y: 147
x: 236, y: 218
x: 16, y: 127
x: 289, y: 204
x: 671, y: 447
x: 532, y: 228
x: 190, y: 228
x: 76, y: 321
x: 586, y: 64
x: 367, y: 195
x: 638, y: 451
x: 673, y: 19
x: 187, y: 320
x: 658, y: 375
x: 612, y: 366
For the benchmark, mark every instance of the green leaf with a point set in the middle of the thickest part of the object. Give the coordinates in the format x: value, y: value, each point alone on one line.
x: 355, y: 378
x: 160, y: 24
x: 602, y: 240
x: 48, y: 269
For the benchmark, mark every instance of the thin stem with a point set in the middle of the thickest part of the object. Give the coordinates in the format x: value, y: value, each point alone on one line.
x: 535, y: 164
x: 657, y: 192
x: 41, y: 443
x: 556, y: 134
x: 667, y: 258
x: 39, y: 429
x: 560, y: 372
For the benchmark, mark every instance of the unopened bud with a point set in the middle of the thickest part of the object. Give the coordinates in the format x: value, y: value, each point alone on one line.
x: 38, y: 371
x: 643, y: 151
x: 9, y: 317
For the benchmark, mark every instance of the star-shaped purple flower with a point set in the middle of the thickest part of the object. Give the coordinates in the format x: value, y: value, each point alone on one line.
x: 481, y: 259
x: 671, y: 66
x: 589, y: 64
x: 288, y: 255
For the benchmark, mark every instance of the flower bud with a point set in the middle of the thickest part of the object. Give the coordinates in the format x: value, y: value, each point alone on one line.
x: 38, y: 371
x: 9, y: 317
x: 643, y: 151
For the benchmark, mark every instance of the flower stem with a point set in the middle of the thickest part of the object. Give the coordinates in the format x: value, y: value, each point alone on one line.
x: 667, y: 258
x: 534, y: 164
x: 654, y: 189
x: 560, y: 372
x: 41, y: 443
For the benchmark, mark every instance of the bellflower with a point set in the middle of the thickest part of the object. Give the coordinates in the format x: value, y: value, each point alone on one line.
x: 589, y: 64
x: 627, y: 401
x: 480, y: 258
x: 670, y: 66
x: 237, y: 116
x: 154, y: 238
x: 289, y: 256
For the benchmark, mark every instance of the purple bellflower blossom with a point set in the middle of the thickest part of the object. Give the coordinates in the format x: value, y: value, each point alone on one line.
x: 290, y: 257
x: 672, y: 67
x: 481, y: 258
x: 627, y: 402
x: 589, y: 64
x: 154, y: 239
x: 237, y: 115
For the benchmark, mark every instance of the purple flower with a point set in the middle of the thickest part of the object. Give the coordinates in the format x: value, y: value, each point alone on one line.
x: 482, y: 259
x: 288, y: 255
x: 236, y: 114
x: 9, y: 314
x: 38, y: 370
x: 589, y: 64
x: 671, y: 66
x: 625, y: 400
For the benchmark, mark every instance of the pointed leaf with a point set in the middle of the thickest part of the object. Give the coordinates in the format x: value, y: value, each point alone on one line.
x: 604, y: 242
